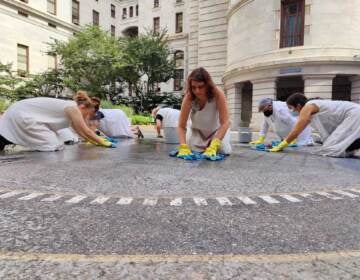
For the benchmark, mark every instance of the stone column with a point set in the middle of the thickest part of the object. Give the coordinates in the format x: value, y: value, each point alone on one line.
x: 355, y: 89
x: 318, y: 86
x: 234, y: 104
x: 261, y: 89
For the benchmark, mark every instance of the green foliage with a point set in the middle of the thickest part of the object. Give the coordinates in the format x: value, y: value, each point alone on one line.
x: 148, y: 55
x: 108, y: 105
x: 48, y: 84
x: 141, y: 120
x: 4, y: 104
x: 92, y: 59
x: 8, y: 82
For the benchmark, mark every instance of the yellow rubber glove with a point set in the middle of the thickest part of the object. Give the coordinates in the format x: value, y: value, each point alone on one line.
x: 213, y: 148
x: 260, y: 140
x: 293, y: 142
x: 105, y: 143
x: 184, y: 150
x: 280, y: 147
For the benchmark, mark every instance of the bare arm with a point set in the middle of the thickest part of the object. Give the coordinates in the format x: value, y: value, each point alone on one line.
x: 302, y: 122
x: 223, y: 114
x: 184, y: 115
x: 79, y: 125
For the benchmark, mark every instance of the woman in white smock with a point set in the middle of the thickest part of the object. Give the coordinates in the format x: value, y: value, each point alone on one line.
x: 34, y: 122
x: 336, y: 121
x: 206, y: 106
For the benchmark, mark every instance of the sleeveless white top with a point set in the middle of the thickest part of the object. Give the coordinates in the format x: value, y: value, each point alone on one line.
x: 33, y: 122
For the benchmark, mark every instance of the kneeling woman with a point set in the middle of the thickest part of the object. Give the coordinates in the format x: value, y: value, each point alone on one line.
x: 34, y: 122
x: 336, y: 121
x: 207, y: 108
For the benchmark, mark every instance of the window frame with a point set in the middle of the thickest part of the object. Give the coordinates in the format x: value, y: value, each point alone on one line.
x: 78, y: 12
x: 156, y: 19
x: 179, y: 28
x: 94, y: 12
x: 113, y: 10
x: 283, y: 29
x: 156, y: 3
x: 47, y: 8
x: 113, y: 30
x: 20, y: 72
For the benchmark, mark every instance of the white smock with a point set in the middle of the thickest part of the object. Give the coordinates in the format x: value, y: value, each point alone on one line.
x: 68, y: 134
x: 33, y: 123
x: 282, y: 122
x: 170, y: 117
x: 115, y: 124
x: 204, y: 125
x: 338, y: 123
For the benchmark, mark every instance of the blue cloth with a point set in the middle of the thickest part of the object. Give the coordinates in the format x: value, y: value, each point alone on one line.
x: 277, y: 142
x: 197, y: 156
x: 112, y: 140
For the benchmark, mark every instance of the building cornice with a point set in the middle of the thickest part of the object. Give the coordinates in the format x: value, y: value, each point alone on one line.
x: 41, y: 15
x: 234, y: 8
x: 175, y: 37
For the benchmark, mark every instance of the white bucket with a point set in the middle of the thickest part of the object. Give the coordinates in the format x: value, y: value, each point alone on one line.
x: 170, y: 135
x: 244, y: 135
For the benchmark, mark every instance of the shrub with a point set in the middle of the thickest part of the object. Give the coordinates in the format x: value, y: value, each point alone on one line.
x: 106, y: 104
x: 141, y: 120
x: 4, y: 104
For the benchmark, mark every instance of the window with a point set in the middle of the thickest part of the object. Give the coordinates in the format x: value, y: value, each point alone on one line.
x: 292, y: 23
x: 179, y: 59
x: 124, y: 14
x: 95, y: 18
x: 157, y: 25
x: 75, y: 12
x: 131, y: 11
x: 52, y: 62
x: 23, y: 14
x: 156, y: 3
x: 179, y: 72
x: 51, y: 6
x: 22, y: 60
x: 179, y: 23
x: 51, y: 24
x: 113, y: 30
x: 113, y: 11
x: 179, y: 79
x: 137, y: 10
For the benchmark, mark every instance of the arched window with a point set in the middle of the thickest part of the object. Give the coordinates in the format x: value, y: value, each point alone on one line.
x: 131, y: 11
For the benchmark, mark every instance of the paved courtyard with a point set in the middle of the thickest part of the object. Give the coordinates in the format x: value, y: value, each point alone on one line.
x: 135, y: 213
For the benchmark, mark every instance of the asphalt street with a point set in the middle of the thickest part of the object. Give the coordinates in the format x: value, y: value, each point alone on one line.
x: 135, y: 213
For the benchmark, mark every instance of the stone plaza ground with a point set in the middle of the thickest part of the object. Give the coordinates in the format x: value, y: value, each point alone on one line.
x: 135, y: 213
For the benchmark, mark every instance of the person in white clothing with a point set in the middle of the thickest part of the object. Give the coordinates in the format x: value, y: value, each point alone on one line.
x: 336, y: 121
x: 113, y: 122
x: 278, y: 116
x: 34, y: 122
x: 165, y: 118
x: 206, y: 105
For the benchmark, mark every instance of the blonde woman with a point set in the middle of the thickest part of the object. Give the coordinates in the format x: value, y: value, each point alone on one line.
x: 34, y: 122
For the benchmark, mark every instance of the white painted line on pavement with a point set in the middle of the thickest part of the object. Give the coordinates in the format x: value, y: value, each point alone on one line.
x: 10, y: 194
x: 31, y: 196
x: 290, y: 198
x: 224, y: 201
x: 246, y: 200
x: 355, y: 190
x: 176, y: 202
x: 52, y: 198
x: 100, y: 200
x: 199, y: 201
x: 269, y: 199
x: 125, y: 201
x: 307, y: 195
x: 76, y: 199
x: 344, y: 193
x: 329, y: 195
x: 150, y: 201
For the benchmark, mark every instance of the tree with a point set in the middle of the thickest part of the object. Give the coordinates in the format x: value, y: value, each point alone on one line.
x: 149, y: 55
x: 92, y: 60
x: 8, y: 82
